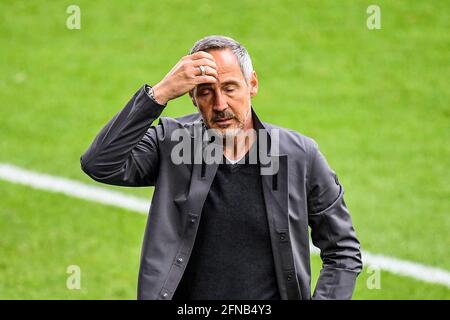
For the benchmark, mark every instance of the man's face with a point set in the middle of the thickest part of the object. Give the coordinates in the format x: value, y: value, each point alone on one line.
x: 226, y: 105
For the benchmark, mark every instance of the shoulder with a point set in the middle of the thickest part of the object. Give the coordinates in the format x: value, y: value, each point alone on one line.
x: 292, y: 141
x: 183, y: 121
x: 167, y: 125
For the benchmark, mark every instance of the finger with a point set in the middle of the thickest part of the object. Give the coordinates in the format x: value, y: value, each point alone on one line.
x: 202, y: 54
x: 212, y: 72
x: 208, y: 71
x: 204, y: 79
x: 204, y: 62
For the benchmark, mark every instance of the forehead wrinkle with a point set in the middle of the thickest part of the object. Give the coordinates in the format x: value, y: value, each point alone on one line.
x: 230, y: 76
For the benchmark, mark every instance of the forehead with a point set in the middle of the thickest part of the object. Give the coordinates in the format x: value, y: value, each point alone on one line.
x: 227, y: 63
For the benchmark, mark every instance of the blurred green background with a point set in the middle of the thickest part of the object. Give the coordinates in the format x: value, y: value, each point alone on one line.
x: 376, y: 101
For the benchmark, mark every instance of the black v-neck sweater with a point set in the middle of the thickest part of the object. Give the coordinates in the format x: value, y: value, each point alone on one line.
x: 232, y: 255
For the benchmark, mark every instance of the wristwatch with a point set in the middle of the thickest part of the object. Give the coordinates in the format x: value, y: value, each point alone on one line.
x: 149, y: 90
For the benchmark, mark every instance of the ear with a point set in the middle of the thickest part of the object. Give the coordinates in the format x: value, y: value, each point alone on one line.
x: 191, y: 94
x: 253, y: 84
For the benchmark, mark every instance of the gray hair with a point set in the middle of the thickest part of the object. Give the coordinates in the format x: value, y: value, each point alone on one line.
x: 222, y: 42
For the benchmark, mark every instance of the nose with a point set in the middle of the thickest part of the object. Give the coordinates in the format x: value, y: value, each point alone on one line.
x: 220, y: 102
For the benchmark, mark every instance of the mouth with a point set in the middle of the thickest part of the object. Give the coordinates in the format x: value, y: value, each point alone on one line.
x: 222, y: 122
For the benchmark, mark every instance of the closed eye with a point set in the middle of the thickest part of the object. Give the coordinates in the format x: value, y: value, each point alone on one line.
x: 229, y: 89
x: 204, y: 92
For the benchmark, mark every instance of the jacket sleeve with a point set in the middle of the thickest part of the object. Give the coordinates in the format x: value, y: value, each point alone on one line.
x: 125, y: 151
x: 331, y: 231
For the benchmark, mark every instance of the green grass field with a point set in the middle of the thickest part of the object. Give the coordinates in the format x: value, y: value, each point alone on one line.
x: 376, y: 101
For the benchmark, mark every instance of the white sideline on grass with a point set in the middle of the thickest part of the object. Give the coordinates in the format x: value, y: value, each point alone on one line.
x: 84, y: 191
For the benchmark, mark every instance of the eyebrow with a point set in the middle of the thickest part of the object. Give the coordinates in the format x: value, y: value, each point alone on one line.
x: 223, y: 84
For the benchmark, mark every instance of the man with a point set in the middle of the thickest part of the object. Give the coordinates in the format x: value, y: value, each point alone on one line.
x: 226, y: 229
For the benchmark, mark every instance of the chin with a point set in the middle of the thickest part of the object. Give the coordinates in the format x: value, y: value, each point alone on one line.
x: 231, y: 132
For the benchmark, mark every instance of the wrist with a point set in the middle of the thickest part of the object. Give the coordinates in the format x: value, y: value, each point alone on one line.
x: 159, y: 94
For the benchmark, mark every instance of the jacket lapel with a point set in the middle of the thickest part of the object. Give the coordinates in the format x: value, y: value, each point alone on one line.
x: 276, y: 196
x: 202, y: 174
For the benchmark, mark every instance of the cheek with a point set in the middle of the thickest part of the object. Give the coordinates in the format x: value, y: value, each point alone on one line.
x: 238, y: 99
x: 242, y: 100
x: 243, y: 95
x: 203, y: 101
x: 205, y: 111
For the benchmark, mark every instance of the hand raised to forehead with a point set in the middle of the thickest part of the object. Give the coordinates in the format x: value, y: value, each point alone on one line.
x: 190, y: 71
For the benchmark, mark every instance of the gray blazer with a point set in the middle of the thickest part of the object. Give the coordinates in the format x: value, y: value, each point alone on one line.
x: 305, y: 191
